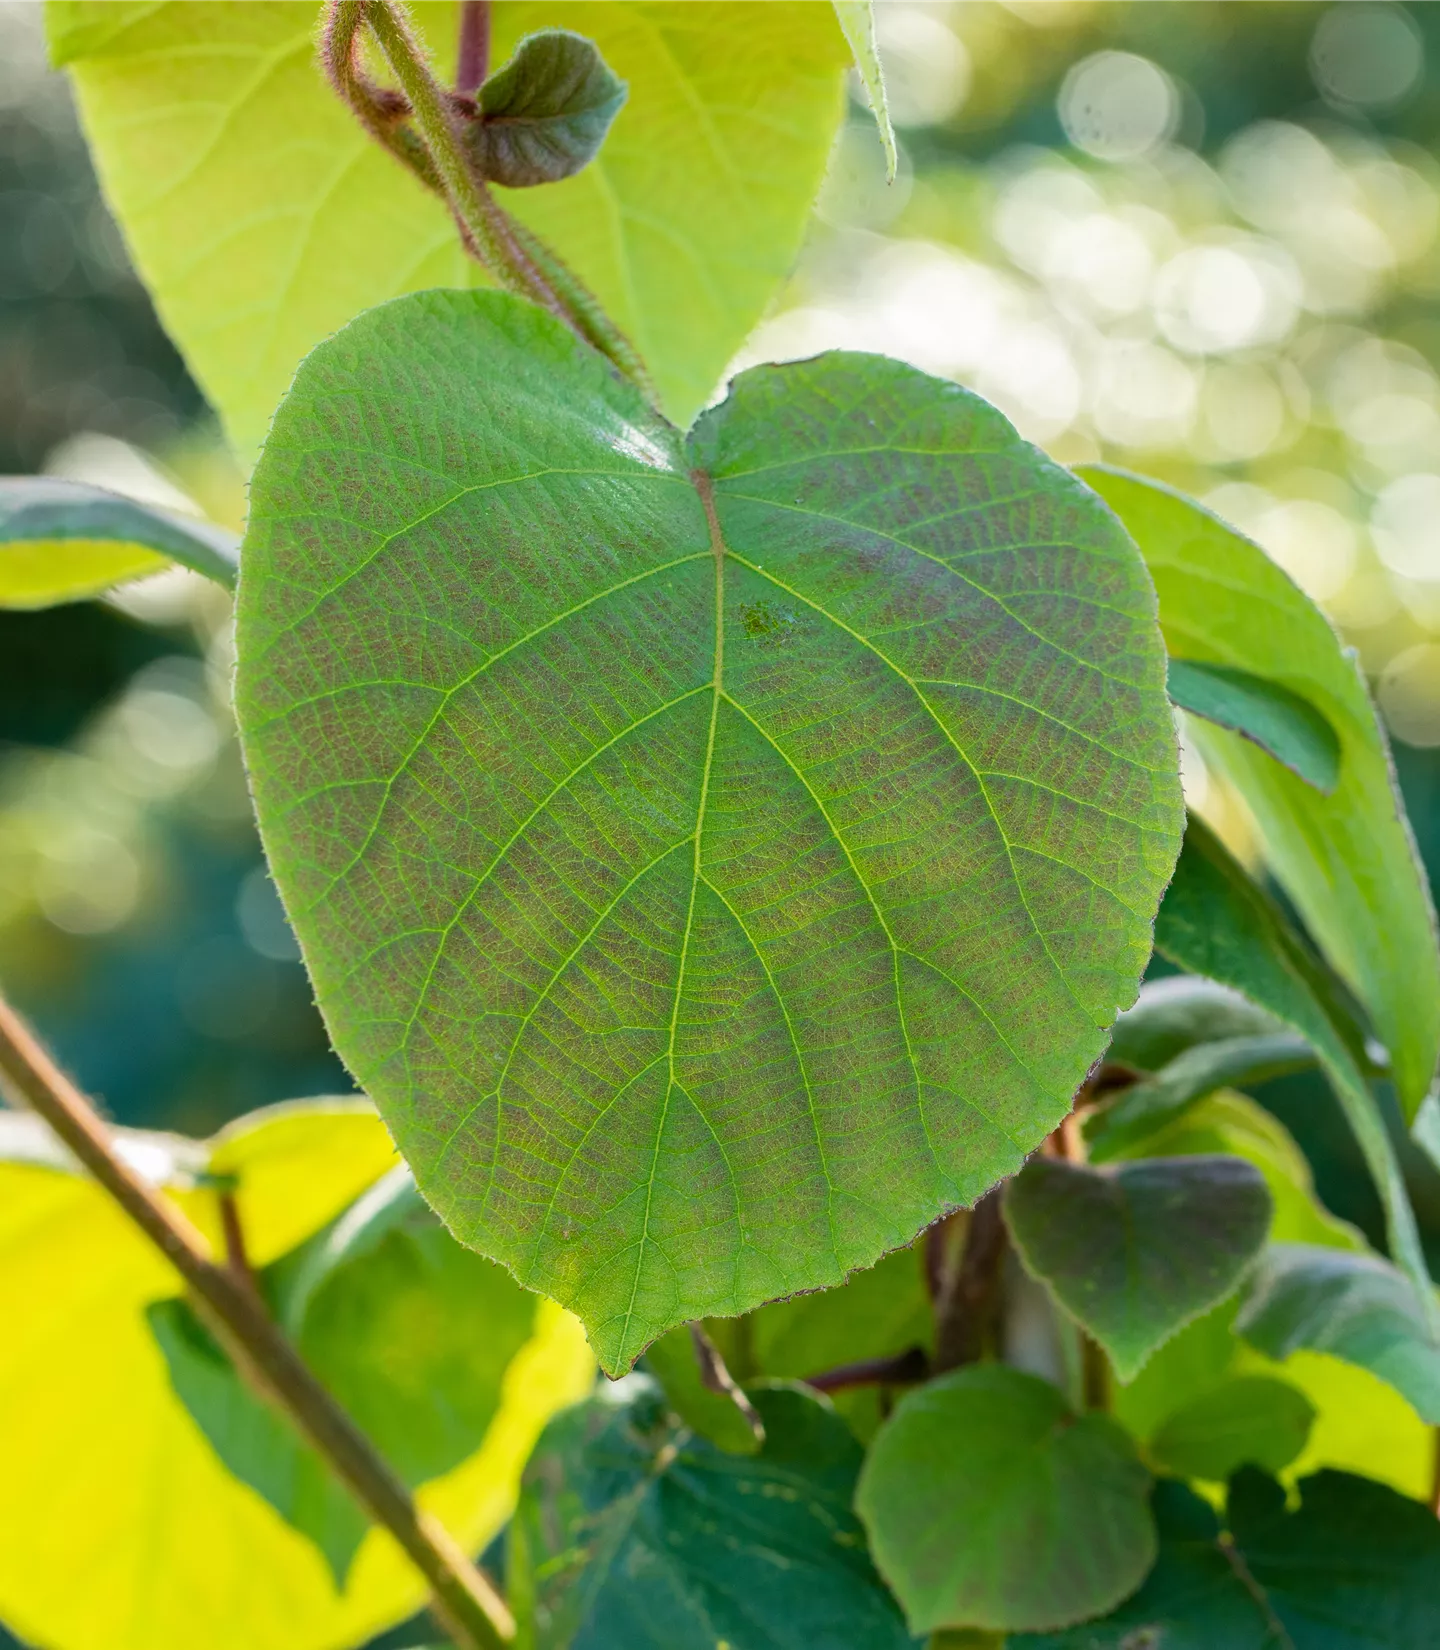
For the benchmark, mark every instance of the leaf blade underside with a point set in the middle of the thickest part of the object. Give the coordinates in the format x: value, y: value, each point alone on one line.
x: 688, y: 847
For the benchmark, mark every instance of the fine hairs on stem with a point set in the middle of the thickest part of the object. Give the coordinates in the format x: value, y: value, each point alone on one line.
x: 463, y: 1602
x: 433, y: 150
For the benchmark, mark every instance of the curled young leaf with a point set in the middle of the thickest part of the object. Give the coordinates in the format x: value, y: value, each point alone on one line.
x: 688, y: 837
x: 1136, y: 1251
x: 1175, y: 1013
x: 990, y: 1503
x: 1266, y: 713
x: 1355, y: 1307
x: 857, y: 19
x: 1216, y: 921
x: 1347, y: 860
x: 545, y: 114
x: 61, y: 541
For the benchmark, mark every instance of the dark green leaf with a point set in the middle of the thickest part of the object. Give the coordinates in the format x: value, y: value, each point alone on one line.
x: 1216, y: 921
x: 1200, y: 1070
x: 408, y: 1330
x: 545, y: 114
x: 1269, y: 715
x: 61, y: 541
x: 1355, y: 1567
x: 632, y: 1534
x: 1348, y: 861
x: 716, y: 858
x: 1355, y: 1307
x: 1137, y: 1251
x: 726, y: 1418
x: 1248, y: 1420
x: 1175, y: 1013
x: 990, y: 1503
x: 256, y: 1443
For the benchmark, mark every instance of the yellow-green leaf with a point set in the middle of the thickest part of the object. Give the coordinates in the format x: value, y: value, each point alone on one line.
x: 1347, y: 860
x: 61, y: 541
x: 262, y: 218
x: 119, y: 1527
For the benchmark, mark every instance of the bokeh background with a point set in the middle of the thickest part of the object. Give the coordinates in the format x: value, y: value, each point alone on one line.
x: 1200, y: 240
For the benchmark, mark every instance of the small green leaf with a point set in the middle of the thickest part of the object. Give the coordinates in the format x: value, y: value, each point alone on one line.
x: 990, y: 1503
x: 1355, y: 1307
x: 1216, y: 921
x: 1269, y: 715
x: 1173, y: 1014
x: 1348, y: 860
x: 61, y: 541
x: 263, y: 218
x: 728, y: 1420
x: 1190, y: 1076
x: 1249, y: 1420
x: 633, y: 1534
x: 683, y: 981
x: 1135, y: 1252
x: 1354, y: 1567
x: 545, y: 114
x: 857, y: 19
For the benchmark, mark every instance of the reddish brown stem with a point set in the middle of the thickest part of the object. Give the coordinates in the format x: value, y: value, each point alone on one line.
x: 967, y: 1307
x: 472, y: 60
x: 903, y: 1369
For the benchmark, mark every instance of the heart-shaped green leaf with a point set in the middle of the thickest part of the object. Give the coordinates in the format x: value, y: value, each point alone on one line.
x: 1354, y: 1567
x: 632, y: 1534
x: 545, y: 114
x: 263, y: 218
x: 1355, y: 1307
x: 178, y: 1552
x: 990, y: 1503
x: 1267, y: 714
x: 1135, y: 1252
x: 1217, y: 921
x: 61, y: 541
x: 1248, y: 1420
x: 1347, y: 860
x: 717, y: 858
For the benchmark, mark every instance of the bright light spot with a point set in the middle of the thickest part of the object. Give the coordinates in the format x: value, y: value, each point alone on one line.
x: 262, y: 918
x: 1144, y: 397
x: 1368, y: 56
x: 1277, y: 174
x: 1032, y: 377
x: 927, y: 69
x: 1217, y: 298
x: 1101, y: 263
x: 86, y: 881
x: 1114, y: 105
x: 1409, y: 693
x: 1038, y: 207
x: 1406, y: 526
x: 1315, y: 544
x: 1242, y: 411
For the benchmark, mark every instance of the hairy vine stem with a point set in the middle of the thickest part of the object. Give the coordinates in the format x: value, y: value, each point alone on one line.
x: 436, y: 153
x: 464, y: 1603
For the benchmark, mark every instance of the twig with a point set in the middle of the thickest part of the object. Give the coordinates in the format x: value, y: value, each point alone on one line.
x: 968, y: 1302
x: 903, y: 1369
x: 716, y: 1378
x: 464, y: 1602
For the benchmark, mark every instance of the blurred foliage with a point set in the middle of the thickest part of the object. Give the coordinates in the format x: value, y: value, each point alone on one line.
x: 1201, y: 240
